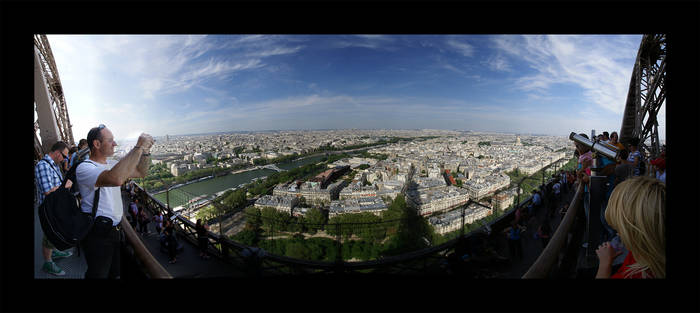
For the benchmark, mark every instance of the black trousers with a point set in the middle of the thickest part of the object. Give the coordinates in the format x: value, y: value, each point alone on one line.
x: 143, y: 226
x: 102, y: 249
x: 203, y: 243
x: 172, y: 247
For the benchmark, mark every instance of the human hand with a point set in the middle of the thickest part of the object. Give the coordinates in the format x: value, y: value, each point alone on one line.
x: 69, y: 183
x: 145, y: 141
x: 51, y: 190
x: 585, y: 178
x: 606, y: 253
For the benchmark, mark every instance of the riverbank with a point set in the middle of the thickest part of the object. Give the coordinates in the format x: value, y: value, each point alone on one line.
x: 231, y: 179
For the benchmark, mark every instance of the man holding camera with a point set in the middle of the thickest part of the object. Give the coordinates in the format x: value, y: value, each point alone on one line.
x: 102, y: 244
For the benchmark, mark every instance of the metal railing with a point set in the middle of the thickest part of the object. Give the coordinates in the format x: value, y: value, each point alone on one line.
x: 153, y: 269
x: 545, y: 263
x: 258, y: 262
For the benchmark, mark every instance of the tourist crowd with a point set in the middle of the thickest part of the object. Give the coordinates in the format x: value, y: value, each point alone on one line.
x: 633, y: 208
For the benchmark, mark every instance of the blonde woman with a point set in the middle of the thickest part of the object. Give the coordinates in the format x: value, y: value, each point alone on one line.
x: 637, y: 210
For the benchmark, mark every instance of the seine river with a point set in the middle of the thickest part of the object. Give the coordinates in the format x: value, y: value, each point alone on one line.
x: 214, y: 185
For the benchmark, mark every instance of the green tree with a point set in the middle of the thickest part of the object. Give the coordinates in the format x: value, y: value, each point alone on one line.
x: 238, y: 150
x: 315, y: 219
x: 410, y: 230
x: 253, y: 218
x: 302, y: 202
x: 297, y: 250
x: 207, y: 213
x: 399, y: 203
x: 235, y: 199
x: 297, y: 224
x: 359, y: 249
x: 247, y: 237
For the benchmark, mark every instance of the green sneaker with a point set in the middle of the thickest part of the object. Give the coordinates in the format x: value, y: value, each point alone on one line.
x: 55, y: 254
x: 52, y: 268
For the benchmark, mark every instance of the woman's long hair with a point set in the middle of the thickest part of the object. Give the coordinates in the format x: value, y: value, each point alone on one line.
x: 637, y: 210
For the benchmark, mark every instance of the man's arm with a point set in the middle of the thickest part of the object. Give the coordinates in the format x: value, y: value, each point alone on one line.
x: 121, y: 171
x: 43, y: 183
x: 141, y: 169
x: 51, y: 190
x: 126, y: 167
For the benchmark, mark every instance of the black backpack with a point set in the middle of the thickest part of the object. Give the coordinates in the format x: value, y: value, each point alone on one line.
x: 61, y: 218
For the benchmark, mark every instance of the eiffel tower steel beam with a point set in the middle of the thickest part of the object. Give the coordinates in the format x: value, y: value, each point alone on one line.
x: 646, y: 95
x: 52, y: 93
x: 47, y: 121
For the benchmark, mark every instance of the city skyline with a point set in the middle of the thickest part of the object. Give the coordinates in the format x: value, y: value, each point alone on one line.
x: 181, y: 85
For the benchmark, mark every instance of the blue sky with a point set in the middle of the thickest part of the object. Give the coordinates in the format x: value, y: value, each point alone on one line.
x: 184, y: 84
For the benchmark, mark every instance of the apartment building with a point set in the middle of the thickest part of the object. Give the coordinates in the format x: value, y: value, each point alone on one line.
x: 357, y: 190
x: 452, y: 220
x: 428, y: 201
x: 281, y: 203
x: 374, y: 205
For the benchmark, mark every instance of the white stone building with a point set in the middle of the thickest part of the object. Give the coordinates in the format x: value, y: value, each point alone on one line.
x: 373, y: 205
x: 452, y: 220
x: 281, y: 203
x: 428, y: 201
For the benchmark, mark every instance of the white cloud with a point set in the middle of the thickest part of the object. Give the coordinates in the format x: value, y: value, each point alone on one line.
x: 274, y: 51
x: 461, y: 47
x: 498, y: 63
x: 376, y: 42
x: 601, y: 65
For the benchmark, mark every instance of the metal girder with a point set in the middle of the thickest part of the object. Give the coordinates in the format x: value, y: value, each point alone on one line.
x: 646, y: 95
x: 55, y: 89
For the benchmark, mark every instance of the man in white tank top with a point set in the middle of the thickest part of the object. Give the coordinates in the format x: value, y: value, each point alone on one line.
x: 102, y: 244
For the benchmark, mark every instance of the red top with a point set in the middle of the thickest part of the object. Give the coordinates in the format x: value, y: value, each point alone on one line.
x: 629, y: 260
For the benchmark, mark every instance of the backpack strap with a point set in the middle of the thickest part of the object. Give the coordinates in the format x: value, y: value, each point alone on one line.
x: 54, y: 169
x: 71, y: 174
x: 95, y: 201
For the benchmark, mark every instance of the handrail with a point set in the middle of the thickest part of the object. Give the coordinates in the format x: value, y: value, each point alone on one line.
x: 550, y: 254
x: 325, y: 265
x: 153, y: 268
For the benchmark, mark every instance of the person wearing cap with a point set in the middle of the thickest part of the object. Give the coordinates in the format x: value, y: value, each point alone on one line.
x: 103, y: 241
x: 660, y: 166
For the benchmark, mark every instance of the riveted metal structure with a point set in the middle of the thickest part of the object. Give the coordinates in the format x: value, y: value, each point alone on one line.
x: 646, y: 95
x: 49, y: 99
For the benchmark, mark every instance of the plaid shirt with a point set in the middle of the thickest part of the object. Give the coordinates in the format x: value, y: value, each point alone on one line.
x: 47, y: 176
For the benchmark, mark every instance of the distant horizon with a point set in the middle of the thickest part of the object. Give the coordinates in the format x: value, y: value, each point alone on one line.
x: 201, y: 84
x: 335, y: 129
x: 663, y: 141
